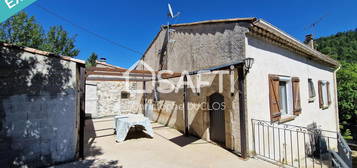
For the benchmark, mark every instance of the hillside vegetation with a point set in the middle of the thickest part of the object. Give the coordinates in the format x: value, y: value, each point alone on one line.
x: 343, y: 47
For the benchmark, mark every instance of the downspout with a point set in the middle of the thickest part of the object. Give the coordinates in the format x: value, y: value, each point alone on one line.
x: 336, y: 98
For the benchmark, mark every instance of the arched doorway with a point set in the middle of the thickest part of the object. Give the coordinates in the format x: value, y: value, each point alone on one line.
x: 217, y: 120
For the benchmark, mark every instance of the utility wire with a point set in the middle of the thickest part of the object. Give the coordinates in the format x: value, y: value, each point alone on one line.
x: 89, y: 31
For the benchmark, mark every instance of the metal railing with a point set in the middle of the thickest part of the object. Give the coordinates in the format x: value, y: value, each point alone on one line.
x: 344, y: 152
x: 296, y: 146
x: 337, y: 161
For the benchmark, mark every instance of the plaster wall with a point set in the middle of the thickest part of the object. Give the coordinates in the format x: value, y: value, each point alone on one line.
x: 190, y: 48
x: 169, y: 110
x: 38, y: 108
x: 272, y: 59
x: 196, y: 47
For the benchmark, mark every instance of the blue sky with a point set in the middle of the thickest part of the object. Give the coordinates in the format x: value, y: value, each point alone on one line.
x: 134, y: 23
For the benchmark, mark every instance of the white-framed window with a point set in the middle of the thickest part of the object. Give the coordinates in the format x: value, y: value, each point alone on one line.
x: 324, y: 94
x: 285, y: 96
x: 312, y: 93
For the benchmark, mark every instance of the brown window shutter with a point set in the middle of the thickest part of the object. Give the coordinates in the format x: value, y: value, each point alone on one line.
x: 274, y: 98
x: 321, y: 102
x: 328, y: 93
x: 296, y: 96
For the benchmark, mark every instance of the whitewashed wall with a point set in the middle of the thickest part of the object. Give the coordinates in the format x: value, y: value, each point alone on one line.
x: 271, y: 59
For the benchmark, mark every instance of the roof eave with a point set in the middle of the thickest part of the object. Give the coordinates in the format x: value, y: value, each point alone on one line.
x: 260, y: 23
x: 44, y: 53
x: 248, y: 19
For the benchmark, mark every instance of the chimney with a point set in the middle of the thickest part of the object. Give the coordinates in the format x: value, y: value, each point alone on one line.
x: 309, y: 41
x: 104, y: 60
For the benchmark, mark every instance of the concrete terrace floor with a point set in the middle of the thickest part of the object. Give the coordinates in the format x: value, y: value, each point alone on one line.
x: 167, y: 149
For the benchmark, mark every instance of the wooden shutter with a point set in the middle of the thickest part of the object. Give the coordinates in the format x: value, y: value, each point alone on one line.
x: 328, y: 93
x: 296, y: 96
x: 274, y: 98
x: 321, y: 102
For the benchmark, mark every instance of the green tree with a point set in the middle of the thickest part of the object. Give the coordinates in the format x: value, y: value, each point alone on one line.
x: 59, y: 42
x: 347, y: 95
x: 92, y: 60
x: 23, y: 30
x: 341, y: 46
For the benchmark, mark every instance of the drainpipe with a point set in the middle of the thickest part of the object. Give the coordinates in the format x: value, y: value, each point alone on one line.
x: 185, y: 104
x: 336, y: 98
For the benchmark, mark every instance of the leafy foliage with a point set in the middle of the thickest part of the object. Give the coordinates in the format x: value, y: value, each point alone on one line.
x: 347, y: 95
x: 343, y: 47
x: 23, y: 30
x: 58, y: 41
x: 92, y: 60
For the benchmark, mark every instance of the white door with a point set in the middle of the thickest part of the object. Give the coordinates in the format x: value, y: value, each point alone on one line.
x: 91, y: 99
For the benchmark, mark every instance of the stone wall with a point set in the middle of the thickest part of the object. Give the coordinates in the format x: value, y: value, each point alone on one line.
x: 38, y: 108
x: 104, y: 98
x: 191, y: 48
x: 197, y: 47
x: 169, y: 110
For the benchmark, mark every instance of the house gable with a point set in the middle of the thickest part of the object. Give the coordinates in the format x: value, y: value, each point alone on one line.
x: 196, y: 47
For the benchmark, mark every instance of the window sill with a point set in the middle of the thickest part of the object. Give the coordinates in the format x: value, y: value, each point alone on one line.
x: 286, y: 118
x: 324, y: 107
x: 311, y: 100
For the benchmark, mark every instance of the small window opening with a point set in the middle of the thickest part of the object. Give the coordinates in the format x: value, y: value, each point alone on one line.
x: 312, y: 93
x: 125, y: 95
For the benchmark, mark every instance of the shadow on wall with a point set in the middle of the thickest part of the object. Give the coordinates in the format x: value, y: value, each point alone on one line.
x: 89, y: 138
x: 170, y: 109
x: 32, y: 89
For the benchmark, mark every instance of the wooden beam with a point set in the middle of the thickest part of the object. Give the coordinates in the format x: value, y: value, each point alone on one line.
x: 91, y: 69
x: 116, y: 74
x: 116, y: 79
x: 185, y: 101
x: 242, y: 112
x: 82, y: 115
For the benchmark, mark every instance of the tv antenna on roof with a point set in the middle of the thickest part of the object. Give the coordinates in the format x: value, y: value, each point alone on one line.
x: 314, y: 24
x: 171, y: 13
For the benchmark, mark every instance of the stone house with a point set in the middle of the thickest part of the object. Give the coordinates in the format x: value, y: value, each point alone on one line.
x: 40, y: 106
x: 109, y: 97
x: 290, y: 83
